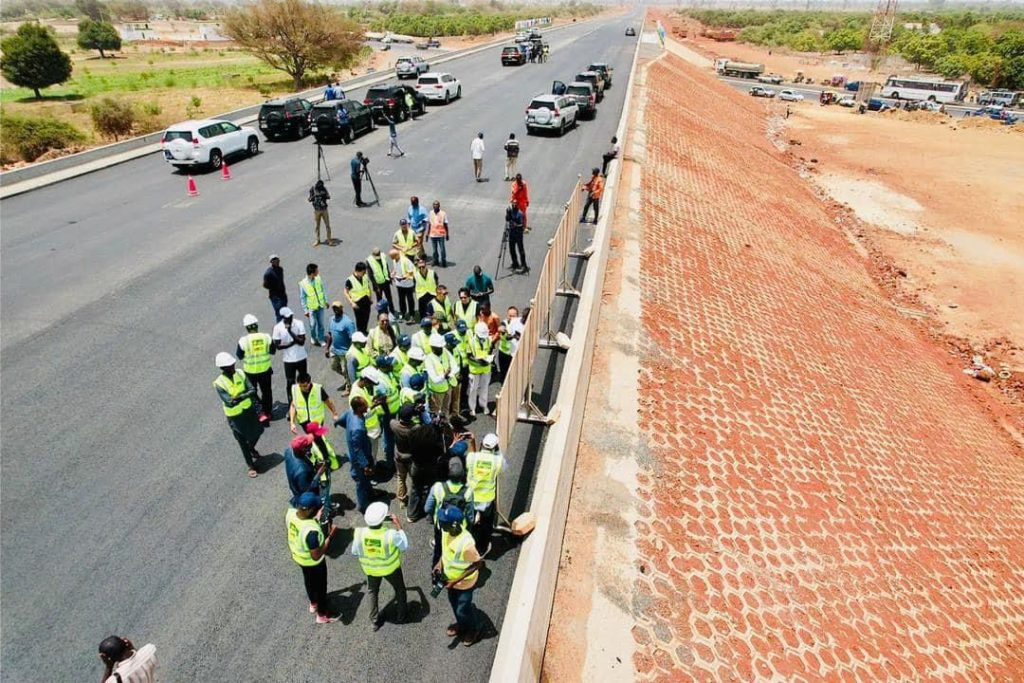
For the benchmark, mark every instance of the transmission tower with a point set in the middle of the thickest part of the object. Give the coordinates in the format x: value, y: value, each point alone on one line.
x: 882, y: 23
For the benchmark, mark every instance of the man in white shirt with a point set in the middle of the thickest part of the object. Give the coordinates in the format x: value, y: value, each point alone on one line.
x: 476, y: 148
x: 124, y: 664
x: 612, y: 153
x: 290, y: 338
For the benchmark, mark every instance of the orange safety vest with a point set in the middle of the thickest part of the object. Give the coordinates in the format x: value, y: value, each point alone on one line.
x: 438, y: 226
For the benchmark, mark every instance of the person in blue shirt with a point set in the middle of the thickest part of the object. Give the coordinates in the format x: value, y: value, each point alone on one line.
x: 340, y: 329
x: 356, y: 168
x: 360, y: 451
x: 480, y: 286
x: 329, y: 92
x: 302, y: 475
x: 418, y: 220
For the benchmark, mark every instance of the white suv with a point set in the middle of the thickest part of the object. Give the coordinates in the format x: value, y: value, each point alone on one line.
x: 207, y: 142
x: 551, y: 112
x: 439, y: 87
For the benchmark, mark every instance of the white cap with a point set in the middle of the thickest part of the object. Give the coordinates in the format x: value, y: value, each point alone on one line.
x: 436, y: 341
x: 491, y: 441
x: 371, y: 374
x: 286, y: 312
x: 249, y: 319
x: 482, y: 331
x: 225, y: 359
x: 358, y: 338
x: 416, y: 353
x: 376, y: 513
x: 273, y: 256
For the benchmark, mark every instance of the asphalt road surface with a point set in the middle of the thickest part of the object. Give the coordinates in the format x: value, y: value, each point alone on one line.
x: 125, y: 503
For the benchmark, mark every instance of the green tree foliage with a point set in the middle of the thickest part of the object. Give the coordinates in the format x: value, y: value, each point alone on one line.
x: 26, y: 138
x: 806, y: 41
x: 113, y: 118
x: 32, y: 59
x: 843, y: 40
x: 98, y: 35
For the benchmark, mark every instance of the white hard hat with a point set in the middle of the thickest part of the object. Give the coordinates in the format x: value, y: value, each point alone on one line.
x: 224, y: 359
x: 482, y: 331
x: 376, y: 513
x: 436, y: 341
x: 249, y: 319
x: 371, y: 374
x: 358, y: 338
x: 491, y: 441
x: 286, y: 312
x: 416, y: 353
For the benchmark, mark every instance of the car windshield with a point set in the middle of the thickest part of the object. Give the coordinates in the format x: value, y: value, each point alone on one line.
x: 428, y: 79
x: 542, y: 104
x: 375, y: 93
x: 324, y: 106
x: 272, y: 107
x: 510, y: 50
x: 178, y: 135
x: 578, y: 90
x: 404, y: 60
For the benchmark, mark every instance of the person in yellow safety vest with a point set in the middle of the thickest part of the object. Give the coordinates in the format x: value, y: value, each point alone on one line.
x: 405, y: 240
x: 310, y: 403
x: 314, y: 303
x: 438, y: 376
x: 380, y: 275
x: 442, y: 311
x: 426, y: 286
x: 456, y: 361
x: 379, y: 550
x: 459, y: 569
x: 414, y: 394
x: 357, y: 357
x: 400, y: 353
x: 382, y: 338
x: 366, y: 389
x: 452, y: 491
x: 256, y: 351
x: 403, y: 274
x: 465, y: 307
x: 308, y: 545
x: 391, y: 389
x: 483, y: 469
x: 236, y: 394
x: 480, y: 359
x: 358, y: 293
x: 414, y: 367
x: 421, y: 338
x: 462, y: 335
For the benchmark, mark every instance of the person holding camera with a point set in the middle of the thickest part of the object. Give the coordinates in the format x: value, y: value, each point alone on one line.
x: 122, y: 663
x: 318, y: 196
x: 514, y: 227
x: 308, y: 545
x: 415, y: 455
x: 459, y: 569
x: 356, y: 172
x: 380, y: 553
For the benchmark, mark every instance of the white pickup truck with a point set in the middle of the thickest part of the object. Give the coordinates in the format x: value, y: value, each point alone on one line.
x: 774, y: 79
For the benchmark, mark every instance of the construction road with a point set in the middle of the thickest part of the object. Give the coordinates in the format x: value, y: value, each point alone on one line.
x: 125, y: 503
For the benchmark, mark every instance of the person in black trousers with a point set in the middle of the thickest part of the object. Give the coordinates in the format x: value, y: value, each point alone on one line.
x: 356, y: 166
x: 514, y: 223
x: 273, y: 282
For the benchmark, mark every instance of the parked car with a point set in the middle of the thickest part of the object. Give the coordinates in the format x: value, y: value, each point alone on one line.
x: 774, y: 79
x: 604, y: 70
x: 410, y: 67
x: 876, y: 104
x: 207, y: 143
x: 513, y: 55
x: 428, y: 44
x: 758, y: 91
x: 390, y: 99
x: 551, y: 112
x: 846, y: 101
x: 853, y: 86
x: 630, y: 31
x: 595, y: 79
x: 287, y: 117
x: 582, y: 92
x: 340, y: 120
x: 791, y: 96
x: 438, y: 86
x: 996, y: 112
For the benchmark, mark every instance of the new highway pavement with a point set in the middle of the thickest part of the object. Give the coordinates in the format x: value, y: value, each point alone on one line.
x: 125, y: 503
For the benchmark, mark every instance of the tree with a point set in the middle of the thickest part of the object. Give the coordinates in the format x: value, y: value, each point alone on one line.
x: 295, y: 36
x: 91, y: 9
x: 98, y: 35
x: 113, y: 118
x: 843, y: 39
x: 32, y: 59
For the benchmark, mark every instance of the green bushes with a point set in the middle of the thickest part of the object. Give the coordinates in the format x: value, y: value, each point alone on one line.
x: 26, y: 138
x: 113, y: 118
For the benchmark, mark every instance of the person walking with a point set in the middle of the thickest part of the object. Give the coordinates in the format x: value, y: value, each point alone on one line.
x: 521, y: 198
x: 393, y: 149
x: 460, y: 564
x: 340, y: 329
x: 357, y: 291
x: 476, y: 150
x: 273, y: 282
x: 439, y: 234
x: 356, y: 173
x: 289, y: 336
x: 256, y: 351
x: 403, y: 274
x: 314, y: 302
x: 328, y: 92
x: 318, y: 197
x: 483, y: 468
x: 438, y: 376
x: 380, y: 553
x: 310, y: 401
x: 419, y: 221
x: 480, y: 286
x: 122, y: 663
x: 380, y: 276
x: 360, y: 450
x: 308, y: 545
x: 514, y: 221
x: 511, y: 156
x: 480, y: 358
x: 236, y: 393
x: 594, y: 189
x: 612, y: 153
x: 426, y: 287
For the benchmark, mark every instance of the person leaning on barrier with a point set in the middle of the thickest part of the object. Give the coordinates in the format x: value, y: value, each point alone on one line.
x: 612, y: 153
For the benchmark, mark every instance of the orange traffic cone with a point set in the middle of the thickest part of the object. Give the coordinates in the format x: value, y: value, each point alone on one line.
x: 225, y: 172
x: 193, y: 191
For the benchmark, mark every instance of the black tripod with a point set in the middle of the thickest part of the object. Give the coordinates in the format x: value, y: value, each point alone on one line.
x: 321, y: 162
x: 366, y: 174
x: 501, y: 253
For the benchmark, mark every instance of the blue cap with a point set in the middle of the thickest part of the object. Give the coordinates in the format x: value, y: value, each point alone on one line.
x: 405, y: 341
x: 385, y: 361
x: 450, y: 514
x: 416, y: 382
x: 308, y: 500
x: 427, y: 322
x: 461, y: 325
x: 383, y: 305
x: 451, y: 339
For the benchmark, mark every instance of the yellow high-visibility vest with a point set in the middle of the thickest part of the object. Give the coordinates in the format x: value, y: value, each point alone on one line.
x: 425, y: 284
x: 256, y: 347
x: 482, y: 470
x: 453, y: 555
x: 406, y: 243
x: 373, y: 414
x: 235, y: 387
x: 311, y: 408
x: 379, y: 268
x: 380, y: 556
x: 359, y: 289
x: 315, y: 297
x: 466, y: 312
x: 298, y: 529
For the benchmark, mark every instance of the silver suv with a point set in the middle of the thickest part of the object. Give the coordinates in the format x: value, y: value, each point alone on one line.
x: 411, y: 67
x: 552, y: 112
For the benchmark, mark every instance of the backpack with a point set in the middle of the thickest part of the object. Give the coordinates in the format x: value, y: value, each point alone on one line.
x: 457, y: 499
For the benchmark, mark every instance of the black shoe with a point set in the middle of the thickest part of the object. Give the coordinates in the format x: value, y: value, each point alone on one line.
x: 376, y: 625
x: 524, y: 270
x: 514, y: 267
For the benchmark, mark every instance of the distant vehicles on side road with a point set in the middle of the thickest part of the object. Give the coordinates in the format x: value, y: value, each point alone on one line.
x: 727, y: 67
x: 410, y: 67
x: 630, y: 31
x: 1006, y: 98
x: 760, y: 91
x: 207, y: 142
x: 847, y: 101
x: 773, y: 79
x: 791, y: 96
x: 920, y: 88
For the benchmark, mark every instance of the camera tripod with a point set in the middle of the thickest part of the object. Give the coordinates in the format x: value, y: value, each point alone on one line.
x: 501, y: 253
x: 366, y: 174
x: 321, y: 162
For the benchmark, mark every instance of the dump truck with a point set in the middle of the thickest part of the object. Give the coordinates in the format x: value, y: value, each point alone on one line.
x: 727, y: 67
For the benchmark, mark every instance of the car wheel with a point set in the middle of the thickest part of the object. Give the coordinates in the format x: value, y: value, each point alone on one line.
x: 447, y: 99
x: 216, y: 159
x: 253, y: 148
x: 458, y: 93
x: 561, y: 129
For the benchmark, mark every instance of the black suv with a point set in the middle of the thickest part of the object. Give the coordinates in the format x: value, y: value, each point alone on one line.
x: 286, y: 117
x: 394, y: 100
x: 340, y: 121
x: 513, y: 54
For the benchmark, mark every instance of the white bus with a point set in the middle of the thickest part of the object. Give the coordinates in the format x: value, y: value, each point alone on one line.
x: 913, y: 88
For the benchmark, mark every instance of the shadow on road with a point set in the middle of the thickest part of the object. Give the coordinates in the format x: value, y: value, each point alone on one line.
x: 345, y: 601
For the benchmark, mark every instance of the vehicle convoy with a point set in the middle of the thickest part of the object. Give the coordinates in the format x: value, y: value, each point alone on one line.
x: 390, y: 100
x: 605, y: 71
x: 287, y: 117
x: 727, y: 67
x: 513, y: 55
x: 207, y: 143
x: 595, y: 79
x: 551, y: 112
x: 340, y: 120
x: 583, y: 93
x: 773, y: 79
x: 438, y: 86
x: 760, y: 91
x: 410, y: 67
